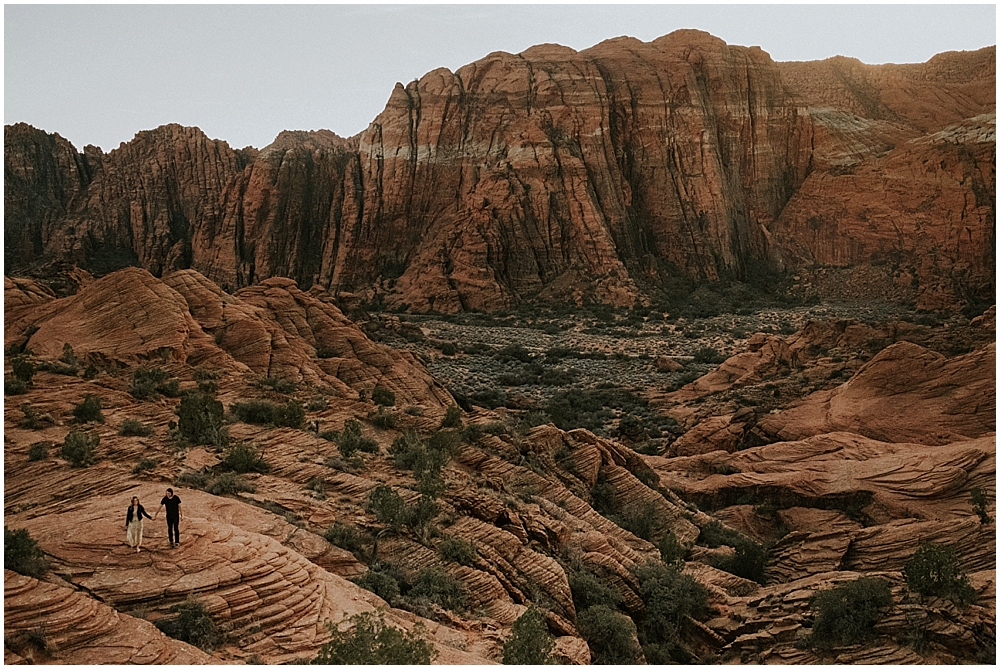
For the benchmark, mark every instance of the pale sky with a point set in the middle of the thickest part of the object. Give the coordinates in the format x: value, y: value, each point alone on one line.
x: 242, y: 73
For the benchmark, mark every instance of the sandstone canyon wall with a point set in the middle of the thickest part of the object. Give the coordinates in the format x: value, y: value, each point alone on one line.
x: 556, y: 174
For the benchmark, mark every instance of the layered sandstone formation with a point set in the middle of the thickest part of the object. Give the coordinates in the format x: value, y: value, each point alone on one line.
x: 270, y: 330
x: 558, y: 175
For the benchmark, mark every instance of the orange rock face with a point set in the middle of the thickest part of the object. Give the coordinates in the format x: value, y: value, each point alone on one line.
x: 557, y: 175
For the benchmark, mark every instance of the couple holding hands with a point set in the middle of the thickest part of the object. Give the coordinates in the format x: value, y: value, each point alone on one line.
x: 133, y: 520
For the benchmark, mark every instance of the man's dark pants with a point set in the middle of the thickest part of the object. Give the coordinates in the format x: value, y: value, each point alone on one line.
x: 173, y: 529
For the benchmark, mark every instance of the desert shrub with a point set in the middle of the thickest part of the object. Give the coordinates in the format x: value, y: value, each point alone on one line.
x: 317, y: 404
x: 845, y: 614
x: 31, y: 420
x: 278, y: 385
x: 22, y: 368
x: 291, y: 414
x: 148, y: 382
x: 457, y: 550
x: 379, y: 582
x: 472, y: 433
x: 58, y: 368
x: 708, y: 355
x: 200, y: 420
x: 68, y: 356
x: 349, y: 538
x: 38, y: 451
x: 383, y: 397
x: 89, y: 410
x: 22, y: 554
x: 452, y: 417
x: 383, y: 420
x: 78, y: 448
x: 610, y: 635
x: 244, y: 458
x: 749, y: 561
x: 449, y: 348
x: 490, y: 398
x: 133, y: 428
x: 12, y: 386
x: 144, y: 464
x: 513, y: 352
x: 981, y: 505
x: 529, y: 641
x: 387, y: 506
x: 641, y: 522
x: 669, y: 597
x: 229, y: 483
x: 715, y: 534
x: 671, y: 550
x: 255, y: 412
x: 934, y: 570
x: 439, y: 587
x: 424, y: 511
x: 371, y: 641
x: 318, y: 485
x: 193, y: 625
x: 588, y: 590
x: 196, y: 480
x: 350, y: 440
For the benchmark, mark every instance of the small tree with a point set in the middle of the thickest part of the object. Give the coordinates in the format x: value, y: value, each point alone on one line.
x: 981, y: 505
x: 200, y: 420
x: 387, y: 506
x: 457, y: 550
x: 452, y: 417
x: 78, y: 448
x: 440, y: 587
x: 371, y: 641
x: 89, y: 410
x: 22, y: 554
x: 384, y: 397
x: 530, y: 641
x: 670, y: 598
x: 610, y: 635
x: 22, y: 368
x: 244, y: 458
x: 845, y: 614
x: 193, y: 625
x: 934, y: 571
x: 588, y: 591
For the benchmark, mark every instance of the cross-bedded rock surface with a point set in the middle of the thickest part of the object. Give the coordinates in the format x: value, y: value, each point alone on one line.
x: 560, y: 175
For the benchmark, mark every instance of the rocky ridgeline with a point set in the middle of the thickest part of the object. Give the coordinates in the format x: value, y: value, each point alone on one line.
x: 561, y: 176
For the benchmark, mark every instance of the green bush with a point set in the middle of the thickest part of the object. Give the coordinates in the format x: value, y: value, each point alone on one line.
x: 196, y: 480
x: 148, y: 382
x: 424, y: 511
x: 200, y: 420
x: 641, y: 522
x: 31, y: 421
x: 12, y: 386
x: 715, y: 534
x: 22, y: 369
x: 610, y: 635
x: 255, y: 412
x: 671, y: 550
x: 291, y: 414
x: 89, y: 410
x: 278, y: 385
x: 143, y: 465
x: 371, y: 641
x: 383, y: 420
x: 383, y: 397
x: 193, y: 625
x: 452, y: 417
x: 440, y: 587
x: 749, y: 561
x: 38, y: 451
x: 229, y: 483
x: 934, y: 570
x: 350, y: 440
x: 387, y: 506
x: 708, y: 355
x: 846, y: 614
x: 529, y: 641
x: 244, y: 458
x: 350, y: 539
x: 78, y: 448
x: 981, y: 505
x: 379, y: 582
x: 133, y: 428
x: 670, y: 597
x: 588, y: 590
x: 457, y: 550
x: 22, y: 554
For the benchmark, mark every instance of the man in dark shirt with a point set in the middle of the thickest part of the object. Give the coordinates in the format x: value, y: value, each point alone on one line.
x: 173, y: 505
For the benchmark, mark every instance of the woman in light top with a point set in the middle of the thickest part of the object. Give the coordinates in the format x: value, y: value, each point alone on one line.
x: 133, y: 524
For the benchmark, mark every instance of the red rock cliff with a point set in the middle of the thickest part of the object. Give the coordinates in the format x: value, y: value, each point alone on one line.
x: 559, y: 175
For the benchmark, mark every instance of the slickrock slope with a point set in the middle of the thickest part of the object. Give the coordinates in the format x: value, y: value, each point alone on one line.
x: 273, y: 330
x: 559, y: 175
x: 79, y: 629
